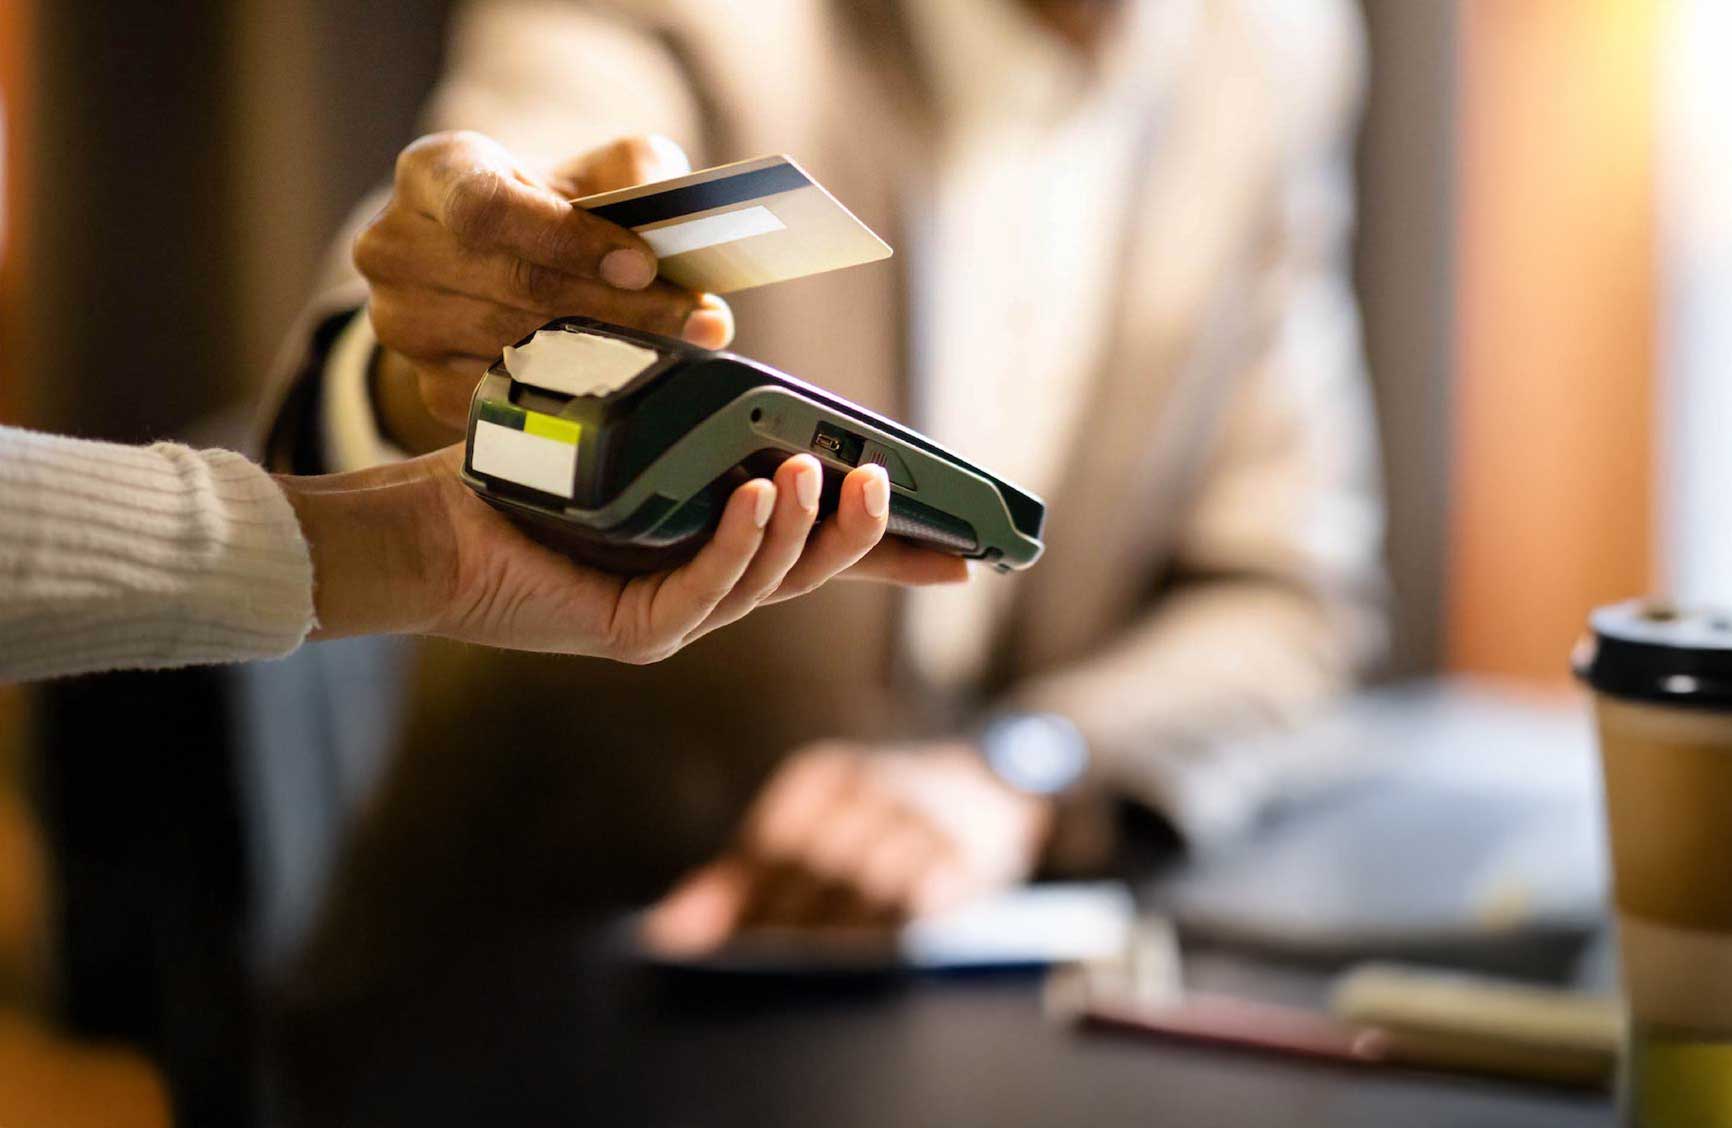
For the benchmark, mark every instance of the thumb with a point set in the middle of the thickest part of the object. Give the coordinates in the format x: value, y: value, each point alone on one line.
x: 628, y: 161
x: 702, y: 911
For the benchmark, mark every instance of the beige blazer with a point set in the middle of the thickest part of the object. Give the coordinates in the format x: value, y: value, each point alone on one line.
x: 1213, y: 547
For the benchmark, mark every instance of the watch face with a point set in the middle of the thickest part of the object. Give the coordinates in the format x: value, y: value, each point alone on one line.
x: 1037, y: 753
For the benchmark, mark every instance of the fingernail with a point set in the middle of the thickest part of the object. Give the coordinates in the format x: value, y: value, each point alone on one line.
x: 877, y: 491
x: 766, y: 503
x: 707, y: 328
x: 671, y: 160
x: 808, y: 480
x: 628, y: 269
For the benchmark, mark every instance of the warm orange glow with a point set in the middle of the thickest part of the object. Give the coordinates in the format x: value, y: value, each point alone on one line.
x: 46, y: 1079
x: 16, y: 36
x: 16, y: 90
x: 1555, y: 406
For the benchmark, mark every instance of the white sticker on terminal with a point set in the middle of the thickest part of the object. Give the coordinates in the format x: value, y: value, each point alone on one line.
x: 529, y: 460
x: 577, y: 364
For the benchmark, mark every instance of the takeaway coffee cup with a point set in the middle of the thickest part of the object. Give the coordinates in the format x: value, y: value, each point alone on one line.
x: 1662, y: 681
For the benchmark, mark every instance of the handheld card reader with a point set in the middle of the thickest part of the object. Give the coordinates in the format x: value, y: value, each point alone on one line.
x: 629, y: 443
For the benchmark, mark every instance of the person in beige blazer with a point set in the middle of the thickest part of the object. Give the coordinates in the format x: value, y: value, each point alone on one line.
x: 1122, y: 232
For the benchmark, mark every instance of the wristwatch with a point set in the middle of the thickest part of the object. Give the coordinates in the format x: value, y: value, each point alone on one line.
x: 1033, y: 753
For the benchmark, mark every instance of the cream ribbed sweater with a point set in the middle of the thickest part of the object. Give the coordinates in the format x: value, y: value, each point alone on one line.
x: 116, y: 557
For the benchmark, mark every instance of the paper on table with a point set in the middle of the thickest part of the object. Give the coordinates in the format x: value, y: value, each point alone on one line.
x: 1031, y: 926
x: 1038, y: 924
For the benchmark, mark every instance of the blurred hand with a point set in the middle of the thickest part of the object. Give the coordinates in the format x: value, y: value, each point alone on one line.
x: 846, y: 837
x: 409, y: 548
x: 473, y: 252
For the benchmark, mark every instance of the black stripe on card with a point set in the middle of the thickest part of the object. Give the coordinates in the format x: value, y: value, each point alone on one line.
x: 676, y: 202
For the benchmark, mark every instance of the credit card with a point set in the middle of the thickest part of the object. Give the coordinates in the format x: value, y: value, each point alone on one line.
x: 741, y: 225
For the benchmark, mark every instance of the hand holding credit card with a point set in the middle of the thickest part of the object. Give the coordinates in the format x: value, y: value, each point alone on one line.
x: 740, y: 225
x: 475, y: 249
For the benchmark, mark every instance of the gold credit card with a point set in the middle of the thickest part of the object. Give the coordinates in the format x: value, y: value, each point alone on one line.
x: 741, y: 225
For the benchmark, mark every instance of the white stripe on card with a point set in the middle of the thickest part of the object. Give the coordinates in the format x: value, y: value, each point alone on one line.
x: 541, y: 464
x: 696, y: 234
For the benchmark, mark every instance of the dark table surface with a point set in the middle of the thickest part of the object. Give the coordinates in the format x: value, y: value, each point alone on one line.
x: 560, y: 1028
x: 554, y: 1024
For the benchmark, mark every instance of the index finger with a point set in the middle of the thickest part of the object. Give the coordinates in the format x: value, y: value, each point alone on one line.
x: 897, y: 561
x: 862, y: 513
x: 686, y: 596
x: 469, y: 184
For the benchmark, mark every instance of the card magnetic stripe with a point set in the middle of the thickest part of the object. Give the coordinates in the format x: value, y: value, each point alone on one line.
x: 677, y: 202
x: 531, y: 422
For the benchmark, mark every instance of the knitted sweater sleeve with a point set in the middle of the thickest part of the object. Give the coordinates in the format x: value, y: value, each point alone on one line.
x: 117, y: 557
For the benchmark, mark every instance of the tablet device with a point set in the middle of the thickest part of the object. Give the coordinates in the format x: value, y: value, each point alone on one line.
x: 627, y: 444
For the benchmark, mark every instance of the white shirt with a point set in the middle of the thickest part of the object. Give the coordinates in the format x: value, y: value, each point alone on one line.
x: 1036, y: 160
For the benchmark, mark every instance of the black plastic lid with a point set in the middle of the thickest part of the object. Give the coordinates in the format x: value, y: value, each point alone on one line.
x: 1646, y: 650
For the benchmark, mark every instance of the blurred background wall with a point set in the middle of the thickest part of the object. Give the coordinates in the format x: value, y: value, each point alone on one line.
x: 1555, y: 381
x: 1405, y: 269
x: 17, y: 167
x: 196, y: 157
x: 327, y: 93
x: 1695, y: 245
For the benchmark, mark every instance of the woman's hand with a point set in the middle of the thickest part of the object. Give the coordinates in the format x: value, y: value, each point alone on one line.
x: 845, y: 837
x: 410, y: 549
